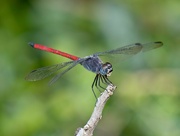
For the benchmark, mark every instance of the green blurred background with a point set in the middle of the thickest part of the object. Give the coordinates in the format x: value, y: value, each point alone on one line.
x: 146, y: 101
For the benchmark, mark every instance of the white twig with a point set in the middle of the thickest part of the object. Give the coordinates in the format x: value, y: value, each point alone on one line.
x: 88, y: 129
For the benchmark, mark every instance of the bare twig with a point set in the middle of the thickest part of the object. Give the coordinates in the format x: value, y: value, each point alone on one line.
x: 88, y: 129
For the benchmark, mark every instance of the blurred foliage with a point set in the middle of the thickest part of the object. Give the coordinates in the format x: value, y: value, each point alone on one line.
x: 147, y: 99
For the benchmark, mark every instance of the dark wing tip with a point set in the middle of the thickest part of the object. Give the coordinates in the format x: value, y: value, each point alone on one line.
x: 138, y: 44
x: 31, y: 44
x: 159, y: 42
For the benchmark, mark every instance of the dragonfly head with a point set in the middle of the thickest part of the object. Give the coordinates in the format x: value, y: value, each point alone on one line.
x: 106, y: 69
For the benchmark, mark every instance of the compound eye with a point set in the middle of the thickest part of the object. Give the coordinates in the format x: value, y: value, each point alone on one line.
x: 108, y: 68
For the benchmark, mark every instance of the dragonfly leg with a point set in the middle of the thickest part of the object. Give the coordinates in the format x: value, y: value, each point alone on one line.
x: 106, y: 80
x: 94, y: 84
x: 97, y: 83
x: 101, y: 80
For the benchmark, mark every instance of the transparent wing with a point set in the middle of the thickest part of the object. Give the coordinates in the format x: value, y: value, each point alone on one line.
x: 56, y: 77
x: 133, y: 49
x: 44, y: 72
x: 130, y: 50
x: 151, y: 46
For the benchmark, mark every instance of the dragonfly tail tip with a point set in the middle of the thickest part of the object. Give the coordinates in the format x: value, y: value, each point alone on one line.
x: 31, y: 44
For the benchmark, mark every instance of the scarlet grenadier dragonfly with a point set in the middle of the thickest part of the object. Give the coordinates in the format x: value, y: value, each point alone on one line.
x: 92, y: 63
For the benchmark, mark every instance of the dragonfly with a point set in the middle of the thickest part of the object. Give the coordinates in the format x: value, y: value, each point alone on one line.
x: 92, y: 63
